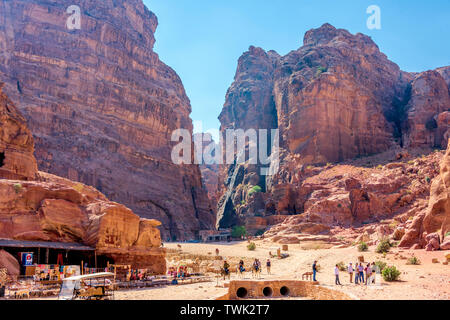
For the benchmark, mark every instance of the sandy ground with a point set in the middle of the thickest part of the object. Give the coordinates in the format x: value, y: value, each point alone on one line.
x: 429, y: 281
x: 425, y: 281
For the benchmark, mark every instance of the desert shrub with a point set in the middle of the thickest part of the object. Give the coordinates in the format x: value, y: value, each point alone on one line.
x: 381, y: 265
x: 251, y: 246
x: 78, y: 187
x: 341, y: 266
x: 413, y: 260
x: 428, y: 179
x: 362, y: 246
x: 17, y: 187
x: 447, y: 234
x: 238, y: 231
x: 394, y: 224
x: 321, y: 70
x: 254, y: 189
x: 384, y: 246
x: 390, y: 273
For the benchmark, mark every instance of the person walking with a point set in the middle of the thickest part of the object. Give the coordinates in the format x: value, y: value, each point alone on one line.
x: 314, y: 268
x: 336, y: 273
x: 350, y: 272
x: 356, y: 273
x: 268, y: 265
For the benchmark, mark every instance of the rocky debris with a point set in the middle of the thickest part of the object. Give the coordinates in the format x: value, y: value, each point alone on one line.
x: 51, y: 208
x: 351, y: 124
x: 102, y: 106
x: 8, y: 262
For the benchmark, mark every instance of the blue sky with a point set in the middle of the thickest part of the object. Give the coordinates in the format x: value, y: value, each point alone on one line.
x: 203, y: 39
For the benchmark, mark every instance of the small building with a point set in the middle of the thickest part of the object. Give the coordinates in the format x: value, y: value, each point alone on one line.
x: 215, y: 235
x: 51, y: 253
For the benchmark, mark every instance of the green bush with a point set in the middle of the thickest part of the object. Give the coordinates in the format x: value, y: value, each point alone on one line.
x: 251, y: 246
x: 362, y: 246
x: 413, y: 260
x: 381, y: 265
x: 238, y: 231
x: 391, y: 273
x: 384, y: 246
x: 321, y: 70
x: 447, y: 234
x: 254, y: 189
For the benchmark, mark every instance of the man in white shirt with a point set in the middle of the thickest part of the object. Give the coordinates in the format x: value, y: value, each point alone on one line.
x: 336, y: 273
x: 350, y: 272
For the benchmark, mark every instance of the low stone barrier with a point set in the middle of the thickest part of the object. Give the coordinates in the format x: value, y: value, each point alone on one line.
x: 281, y: 288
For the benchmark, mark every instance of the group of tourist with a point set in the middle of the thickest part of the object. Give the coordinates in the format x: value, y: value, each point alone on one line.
x: 363, y: 274
x: 256, y: 266
x: 181, y: 272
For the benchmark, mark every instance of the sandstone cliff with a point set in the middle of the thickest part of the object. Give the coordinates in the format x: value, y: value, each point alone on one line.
x: 337, y: 99
x: 16, y: 143
x: 102, y: 106
x: 431, y: 228
x: 50, y: 208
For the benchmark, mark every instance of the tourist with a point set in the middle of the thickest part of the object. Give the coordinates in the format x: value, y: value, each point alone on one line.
x: 368, y: 271
x: 350, y: 272
x: 226, y: 268
x: 241, y: 266
x: 356, y: 273
x: 256, y: 265
x: 314, y: 268
x: 361, y: 273
x: 336, y: 273
x: 268, y: 265
x: 374, y: 270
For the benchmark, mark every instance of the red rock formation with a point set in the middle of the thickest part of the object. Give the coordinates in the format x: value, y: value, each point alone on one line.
x: 11, y: 265
x: 427, y: 116
x: 431, y: 229
x: 50, y: 208
x: 334, y: 99
x: 102, y: 106
x: 16, y: 143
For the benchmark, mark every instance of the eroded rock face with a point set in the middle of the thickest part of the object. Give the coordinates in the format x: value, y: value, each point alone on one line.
x: 431, y: 229
x: 102, y: 106
x: 51, y: 208
x: 427, y: 112
x: 334, y: 100
x: 16, y: 143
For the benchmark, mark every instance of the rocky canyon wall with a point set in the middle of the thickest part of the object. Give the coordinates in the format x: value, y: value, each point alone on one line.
x: 102, y: 106
x: 341, y: 107
x: 37, y: 206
